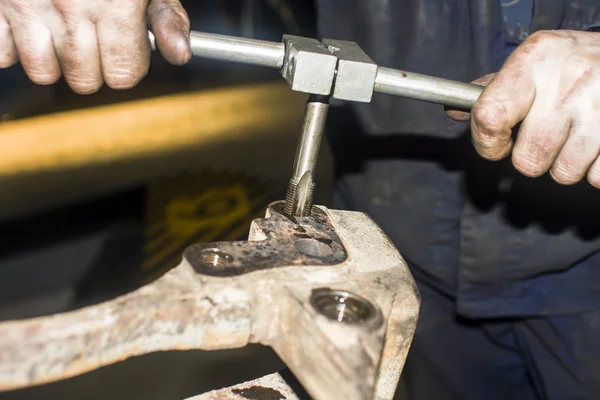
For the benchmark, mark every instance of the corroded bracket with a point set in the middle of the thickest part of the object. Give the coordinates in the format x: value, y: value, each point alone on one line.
x: 268, y: 387
x: 329, y: 293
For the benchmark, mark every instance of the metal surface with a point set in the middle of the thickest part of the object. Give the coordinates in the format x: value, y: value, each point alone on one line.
x: 427, y: 88
x: 301, y: 187
x: 198, y: 306
x: 315, y: 244
x: 356, y: 71
x: 270, y: 387
x: 309, y: 66
x: 334, y: 68
x: 235, y: 49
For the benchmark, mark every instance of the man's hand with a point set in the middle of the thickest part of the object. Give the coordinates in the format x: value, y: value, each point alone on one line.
x: 91, y: 41
x: 551, y: 83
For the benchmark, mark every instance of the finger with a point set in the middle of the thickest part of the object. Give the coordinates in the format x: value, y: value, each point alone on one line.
x: 463, y: 116
x: 8, y: 51
x: 124, y: 47
x: 35, y: 48
x: 577, y: 155
x: 594, y: 174
x: 80, y: 58
x: 542, y: 135
x: 502, y: 105
x: 77, y: 51
x: 171, y: 27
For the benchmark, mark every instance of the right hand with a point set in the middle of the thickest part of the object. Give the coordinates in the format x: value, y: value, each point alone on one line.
x: 91, y: 42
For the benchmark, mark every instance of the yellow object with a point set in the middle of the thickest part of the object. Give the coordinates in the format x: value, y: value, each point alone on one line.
x: 157, y: 125
x: 202, y: 207
x: 58, y: 158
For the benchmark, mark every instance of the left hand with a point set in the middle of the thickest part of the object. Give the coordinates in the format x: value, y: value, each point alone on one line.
x: 551, y: 83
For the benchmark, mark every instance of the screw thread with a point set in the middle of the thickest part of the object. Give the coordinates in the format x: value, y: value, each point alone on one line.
x: 290, y: 196
x: 291, y: 199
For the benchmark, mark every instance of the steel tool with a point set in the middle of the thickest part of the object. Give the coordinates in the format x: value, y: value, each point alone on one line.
x: 327, y: 69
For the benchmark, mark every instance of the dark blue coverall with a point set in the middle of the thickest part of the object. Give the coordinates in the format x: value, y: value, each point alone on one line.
x: 508, y: 267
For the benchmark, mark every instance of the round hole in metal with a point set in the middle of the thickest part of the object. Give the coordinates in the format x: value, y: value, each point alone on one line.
x: 313, y: 248
x: 343, y: 306
x: 215, y: 258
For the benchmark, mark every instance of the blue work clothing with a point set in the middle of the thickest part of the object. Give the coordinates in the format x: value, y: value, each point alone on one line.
x: 517, y: 17
x: 508, y: 266
x: 453, y: 358
x: 501, y: 244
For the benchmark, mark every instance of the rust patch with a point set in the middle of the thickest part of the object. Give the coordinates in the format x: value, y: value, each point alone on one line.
x: 301, y: 236
x: 278, y: 250
x: 259, y: 393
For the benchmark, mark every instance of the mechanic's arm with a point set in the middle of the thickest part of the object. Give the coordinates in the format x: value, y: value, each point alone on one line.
x: 551, y: 83
x: 91, y: 42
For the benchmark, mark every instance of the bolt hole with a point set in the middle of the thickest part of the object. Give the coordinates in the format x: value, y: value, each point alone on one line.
x: 215, y: 258
x: 342, y: 306
x: 313, y: 248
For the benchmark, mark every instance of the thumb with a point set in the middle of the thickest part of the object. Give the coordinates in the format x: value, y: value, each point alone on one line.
x: 170, y: 25
x: 463, y: 116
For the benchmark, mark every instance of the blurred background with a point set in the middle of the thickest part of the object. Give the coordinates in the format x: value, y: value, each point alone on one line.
x: 100, y: 194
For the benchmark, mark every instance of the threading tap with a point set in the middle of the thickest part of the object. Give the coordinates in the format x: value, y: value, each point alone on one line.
x: 301, y: 188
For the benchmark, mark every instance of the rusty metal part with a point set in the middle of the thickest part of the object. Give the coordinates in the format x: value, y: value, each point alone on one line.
x: 337, y: 303
x: 285, y: 242
x: 270, y: 387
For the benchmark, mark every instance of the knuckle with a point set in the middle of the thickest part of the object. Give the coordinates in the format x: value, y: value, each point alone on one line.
x: 85, y: 90
x: 491, y: 154
x: 489, y: 130
x: 169, y: 13
x: 41, y: 70
x: 21, y: 7
x: 594, y: 178
x: 580, y: 66
x: 542, y: 45
x: 565, y: 174
x: 63, y: 6
x: 489, y: 150
x: 123, y: 78
x: 7, y: 61
x: 489, y: 117
x: 528, y: 164
x: 157, y: 7
x: 544, y: 38
x: 43, y: 77
x: 84, y: 86
x: 167, y: 5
